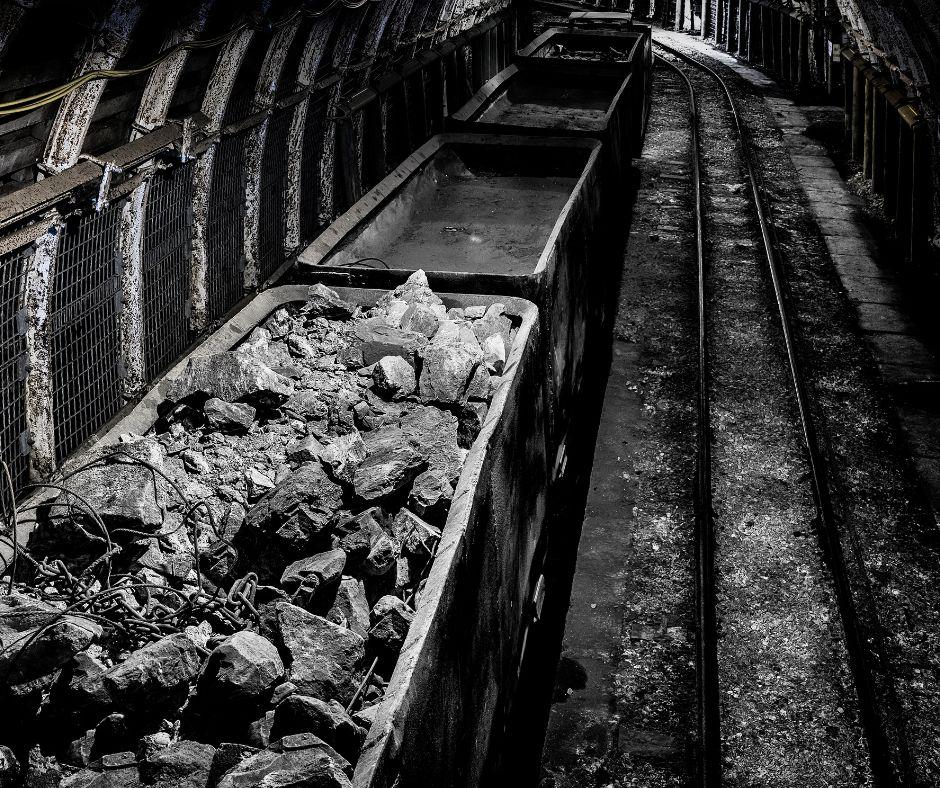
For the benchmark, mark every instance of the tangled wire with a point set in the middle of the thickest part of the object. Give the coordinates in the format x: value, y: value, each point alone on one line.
x: 124, y: 604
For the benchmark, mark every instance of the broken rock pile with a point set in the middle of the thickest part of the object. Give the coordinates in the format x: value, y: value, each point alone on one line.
x: 221, y: 602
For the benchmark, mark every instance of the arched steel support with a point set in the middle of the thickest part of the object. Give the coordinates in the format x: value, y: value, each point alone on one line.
x: 218, y: 92
x: 39, y: 392
x: 151, y: 114
x: 67, y: 136
x: 268, y: 79
x: 11, y: 14
x: 310, y: 61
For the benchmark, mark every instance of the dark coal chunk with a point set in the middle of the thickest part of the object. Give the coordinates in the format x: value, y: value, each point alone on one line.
x: 324, y: 659
x: 184, y: 764
x: 298, y: 760
x: 288, y: 521
x: 154, y: 680
x: 393, y: 460
x: 326, y: 720
x: 230, y: 377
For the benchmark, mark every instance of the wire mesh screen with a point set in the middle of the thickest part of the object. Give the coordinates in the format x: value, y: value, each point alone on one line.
x: 273, y: 222
x: 225, y: 241
x: 314, y: 130
x: 165, y: 260
x: 86, y: 368
x: 13, y: 435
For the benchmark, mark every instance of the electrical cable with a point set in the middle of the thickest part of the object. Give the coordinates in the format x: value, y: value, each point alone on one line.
x: 46, y: 97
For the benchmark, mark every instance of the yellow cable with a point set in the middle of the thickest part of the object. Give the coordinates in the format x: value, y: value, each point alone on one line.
x: 38, y: 100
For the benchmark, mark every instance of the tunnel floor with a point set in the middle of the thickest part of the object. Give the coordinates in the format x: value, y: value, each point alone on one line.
x: 623, y: 704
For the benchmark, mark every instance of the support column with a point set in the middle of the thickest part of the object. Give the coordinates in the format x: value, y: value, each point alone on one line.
x: 268, y: 79
x: 40, y: 418
x: 132, y: 314
x: 306, y: 74
x: 77, y: 109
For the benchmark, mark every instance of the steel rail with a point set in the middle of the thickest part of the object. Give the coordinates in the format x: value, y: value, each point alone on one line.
x: 890, y: 761
x: 708, y: 751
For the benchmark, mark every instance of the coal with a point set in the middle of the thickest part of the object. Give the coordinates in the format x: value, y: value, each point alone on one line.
x: 308, y: 519
x: 344, y: 455
x: 356, y: 535
x: 229, y: 416
x: 155, y: 679
x: 242, y: 670
x: 324, y: 659
x: 378, y: 340
x: 446, y: 371
x: 327, y: 567
x: 394, y: 377
x: 297, y: 760
x: 327, y: 720
x: 392, y: 619
x: 281, y: 526
x: 436, y: 432
x: 324, y: 302
x: 37, y: 639
x: 230, y: 377
x: 184, y: 764
x: 392, y: 462
x: 351, y: 607
x: 421, y: 318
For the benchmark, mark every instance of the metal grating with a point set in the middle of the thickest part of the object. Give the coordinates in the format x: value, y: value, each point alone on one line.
x: 166, y: 268
x: 314, y: 130
x: 273, y: 221
x: 86, y: 300
x: 225, y: 241
x: 13, y: 434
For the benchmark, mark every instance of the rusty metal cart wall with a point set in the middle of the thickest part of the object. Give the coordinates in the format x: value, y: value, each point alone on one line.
x: 446, y: 700
x: 566, y: 275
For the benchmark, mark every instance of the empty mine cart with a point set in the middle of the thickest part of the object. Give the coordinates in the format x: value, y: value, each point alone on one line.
x: 470, y: 604
x: 629, y: 46
x: 503, y: 215
x: 546, y: 91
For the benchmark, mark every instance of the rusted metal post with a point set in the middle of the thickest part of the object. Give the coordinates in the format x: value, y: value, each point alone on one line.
x: 268, y: 78
x: 753, y: 33
x: 905, y: 182
x: 67, y: 136
x: 151, y: 113
x: 920, y: 189
x: 40, y: 420
x: 869, y: 95
x: 848, y: 92
x: 894, y: 99
x: 880, y: 86
x: 218, y: 91
x: 858, y: 108
x: 131, y: 317
x: 314, y: 48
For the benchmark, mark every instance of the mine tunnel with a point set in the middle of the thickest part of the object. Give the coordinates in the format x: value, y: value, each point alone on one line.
x: 457, y: 393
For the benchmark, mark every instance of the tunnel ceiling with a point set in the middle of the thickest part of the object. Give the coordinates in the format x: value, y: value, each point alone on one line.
x: 244, y: 55
x: 253, y: 52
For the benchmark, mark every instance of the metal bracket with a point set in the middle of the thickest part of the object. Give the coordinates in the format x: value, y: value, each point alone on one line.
x: 185, y: 145
x: 108, y: 170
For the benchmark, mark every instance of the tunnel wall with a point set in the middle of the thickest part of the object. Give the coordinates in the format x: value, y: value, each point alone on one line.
x: 235, y: 154
x: 876, y: 59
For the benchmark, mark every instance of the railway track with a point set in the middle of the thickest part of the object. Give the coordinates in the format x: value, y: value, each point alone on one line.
x: 887, y: 762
